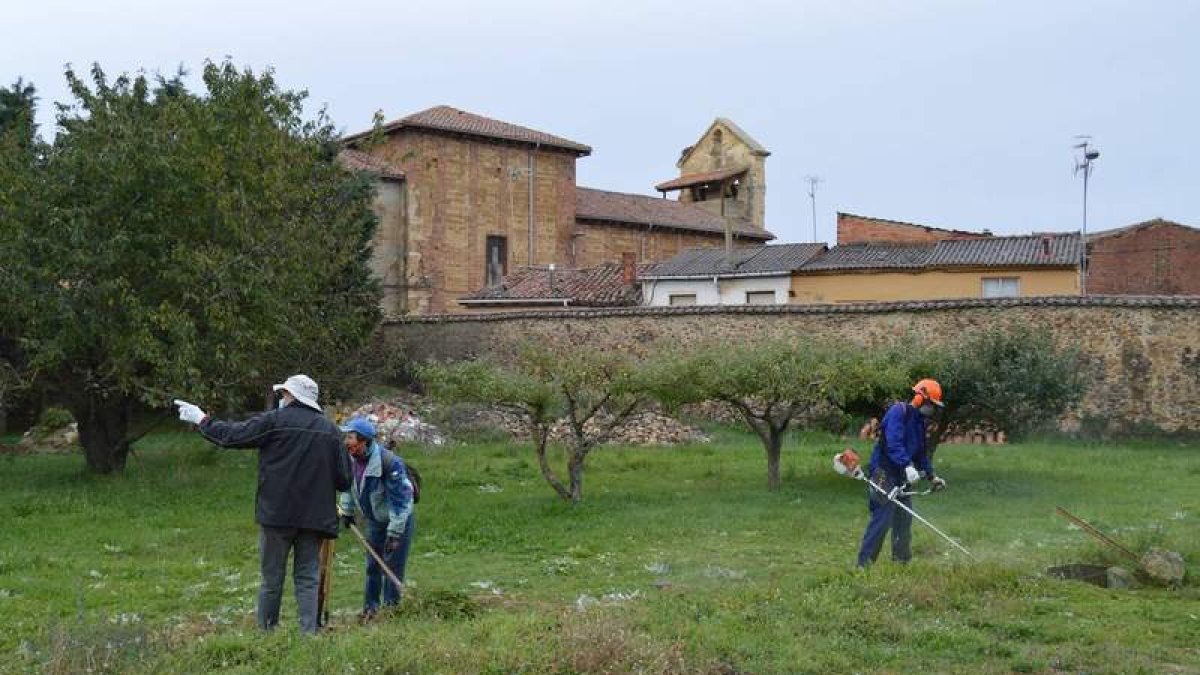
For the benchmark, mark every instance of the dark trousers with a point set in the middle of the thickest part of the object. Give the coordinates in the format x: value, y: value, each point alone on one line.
x: 884, y: 516
x: 274, y: 544
x: 396, y: 561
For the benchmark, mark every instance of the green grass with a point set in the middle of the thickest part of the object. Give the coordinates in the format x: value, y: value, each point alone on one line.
x: 156, y: 570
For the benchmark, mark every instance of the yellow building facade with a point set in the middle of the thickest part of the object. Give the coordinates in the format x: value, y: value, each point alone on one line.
x: 894, y: 286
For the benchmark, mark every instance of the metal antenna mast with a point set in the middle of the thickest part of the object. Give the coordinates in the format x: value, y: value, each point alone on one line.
x: 812, y: 194
x: 1083, y: 165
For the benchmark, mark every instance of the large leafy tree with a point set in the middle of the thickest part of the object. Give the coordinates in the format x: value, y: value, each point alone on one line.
x: 178, y: 242
x: 773, y: 383
x: 1015, y: 379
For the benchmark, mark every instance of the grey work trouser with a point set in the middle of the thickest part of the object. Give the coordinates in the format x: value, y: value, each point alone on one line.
x: 274, y: 543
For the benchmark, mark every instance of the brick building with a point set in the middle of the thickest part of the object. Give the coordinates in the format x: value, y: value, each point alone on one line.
x: 854, y: 229
x: 1157, y: 257
x: 463, y: 198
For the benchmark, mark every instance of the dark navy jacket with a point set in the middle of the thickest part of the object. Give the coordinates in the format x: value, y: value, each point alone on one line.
x: 901, y: 442
x: 301, y: 465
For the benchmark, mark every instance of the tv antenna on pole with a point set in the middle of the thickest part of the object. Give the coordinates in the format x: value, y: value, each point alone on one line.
x: 813, y: 181
x: 1083, y: 164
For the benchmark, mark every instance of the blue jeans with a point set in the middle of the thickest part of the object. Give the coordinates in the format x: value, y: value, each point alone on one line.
x: 885, y: 515
x: 396, y: 561
x: 274, y: 544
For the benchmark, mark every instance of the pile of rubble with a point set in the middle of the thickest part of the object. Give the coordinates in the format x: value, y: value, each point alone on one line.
x: 644, y: 428
x: 55, y: 442
x: 397, y: 422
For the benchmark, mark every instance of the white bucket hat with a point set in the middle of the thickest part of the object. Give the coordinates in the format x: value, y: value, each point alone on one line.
x: 302, y: 388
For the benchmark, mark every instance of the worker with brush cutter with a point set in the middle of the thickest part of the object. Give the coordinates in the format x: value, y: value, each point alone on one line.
x: 382, y: 491
x: 898, y: 461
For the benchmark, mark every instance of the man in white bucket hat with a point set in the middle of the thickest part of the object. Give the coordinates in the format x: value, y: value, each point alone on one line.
x: 301, y: 468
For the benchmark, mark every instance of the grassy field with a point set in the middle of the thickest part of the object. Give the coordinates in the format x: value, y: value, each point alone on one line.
x: 678, y: 561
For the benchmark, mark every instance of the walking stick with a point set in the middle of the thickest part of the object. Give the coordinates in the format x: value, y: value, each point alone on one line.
x: 379, y: 559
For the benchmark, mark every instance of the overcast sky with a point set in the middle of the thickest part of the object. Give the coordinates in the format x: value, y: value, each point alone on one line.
x: 951, y: 113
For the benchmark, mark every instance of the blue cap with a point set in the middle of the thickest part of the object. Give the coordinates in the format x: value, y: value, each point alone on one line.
x: 361, y: 426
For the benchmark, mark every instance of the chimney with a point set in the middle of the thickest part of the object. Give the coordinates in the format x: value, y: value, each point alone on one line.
x: 1046, y: 246
x: 629, y: 268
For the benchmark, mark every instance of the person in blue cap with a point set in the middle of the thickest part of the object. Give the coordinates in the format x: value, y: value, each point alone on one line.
x: 381, y: 490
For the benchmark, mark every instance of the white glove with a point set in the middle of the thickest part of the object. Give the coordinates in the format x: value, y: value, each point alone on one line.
x: 911, y: 474
x: 190, y: 412
x: 938, y: 483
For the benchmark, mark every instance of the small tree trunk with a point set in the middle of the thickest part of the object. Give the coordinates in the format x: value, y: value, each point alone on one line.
x: 541, y: 436
x: 103, y: 432
x: 774, y: 448
x: 575, y: 470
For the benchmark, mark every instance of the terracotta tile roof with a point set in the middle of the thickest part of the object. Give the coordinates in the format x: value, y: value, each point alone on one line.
x: 622, y: 207
x: 700, y: 263
x: 602, y: 286
x: 1136, y: 226
x: 445, y: 118
x: 1184, y: 302
x: 1042, y: 250
x: 688, y: 180
x: 356, y: 160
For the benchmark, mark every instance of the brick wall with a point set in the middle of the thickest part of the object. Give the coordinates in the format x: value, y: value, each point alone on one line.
x: 852, y: 229
x: 1142, y: 356
x: 1160, y: 258
x: 600, y: 243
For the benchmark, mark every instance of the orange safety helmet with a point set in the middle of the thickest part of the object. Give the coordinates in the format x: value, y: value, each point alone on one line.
x: 927, y: 390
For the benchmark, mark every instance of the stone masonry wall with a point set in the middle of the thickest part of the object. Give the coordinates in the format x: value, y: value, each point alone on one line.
x: 1142, y: 354
x: 461, y: 190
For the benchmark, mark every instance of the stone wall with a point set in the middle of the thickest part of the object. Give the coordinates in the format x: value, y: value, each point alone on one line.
x: 459, y: 191
x: 1142, y: 354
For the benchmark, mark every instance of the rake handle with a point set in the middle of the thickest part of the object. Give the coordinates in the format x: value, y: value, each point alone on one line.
x: 1090, y: 529
x: 379, y: 559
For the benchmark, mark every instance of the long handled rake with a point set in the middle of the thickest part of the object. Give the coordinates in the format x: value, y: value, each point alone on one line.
x: 378, y: 558
x: 846, y: 463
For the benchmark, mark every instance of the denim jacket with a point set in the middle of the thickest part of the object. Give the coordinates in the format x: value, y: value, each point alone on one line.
x: 384, y: 500
x: 901, y: 442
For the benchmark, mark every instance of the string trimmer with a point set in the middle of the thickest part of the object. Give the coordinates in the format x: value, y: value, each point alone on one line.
x: 846, y: 463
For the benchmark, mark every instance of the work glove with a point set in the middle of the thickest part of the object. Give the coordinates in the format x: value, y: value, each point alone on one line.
x: 937, y: 483
x: 911, y: 474
x: 190, y: 412
x: 392, y: 544
x: 347, y: 520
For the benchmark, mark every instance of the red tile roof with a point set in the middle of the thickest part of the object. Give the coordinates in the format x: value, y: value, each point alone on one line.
x: 356, y: 160
x: 622, y: 207
x: 445, y: 118
x: 602, y: 286
x: 688, y: 180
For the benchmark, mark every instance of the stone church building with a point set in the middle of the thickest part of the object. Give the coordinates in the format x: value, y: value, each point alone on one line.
x: 464, y: 199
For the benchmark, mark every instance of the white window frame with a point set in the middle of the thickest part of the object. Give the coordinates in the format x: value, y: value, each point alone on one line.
x: 761, y: 294
x: 683, y: 297
x: 1001, y: 287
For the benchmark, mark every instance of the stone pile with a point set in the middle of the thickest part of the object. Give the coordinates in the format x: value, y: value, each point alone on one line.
x: 644, y: 428
x: 397, y: 422
x: 58, y: 441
